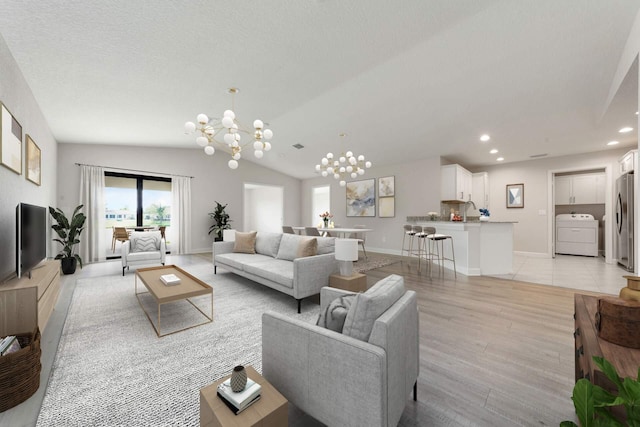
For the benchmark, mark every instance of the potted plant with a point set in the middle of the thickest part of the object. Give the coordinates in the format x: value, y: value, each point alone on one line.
x: 68, y: 233
x: 592, y: 402
x: 221, y: 221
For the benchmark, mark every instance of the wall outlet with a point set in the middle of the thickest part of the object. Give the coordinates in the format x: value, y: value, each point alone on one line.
x: 384, y: 239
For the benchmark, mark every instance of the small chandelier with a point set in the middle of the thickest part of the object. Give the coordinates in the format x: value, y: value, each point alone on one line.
x: 231, y: 129
x: 346, y: 164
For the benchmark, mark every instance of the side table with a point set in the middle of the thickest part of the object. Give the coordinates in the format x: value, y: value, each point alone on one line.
x: 271, y: 410
x: 357, y: 282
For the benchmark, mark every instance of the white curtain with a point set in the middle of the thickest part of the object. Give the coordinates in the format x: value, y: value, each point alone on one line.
x: 181, y: 215
x: 92, y: 246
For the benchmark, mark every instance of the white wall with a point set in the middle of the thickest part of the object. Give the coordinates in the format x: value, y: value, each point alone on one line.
x: 417, y: 186
x: 213, y: 180
x: 263, y: 208
x: 14, y: 188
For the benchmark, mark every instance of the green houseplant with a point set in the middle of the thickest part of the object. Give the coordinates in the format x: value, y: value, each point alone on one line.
x: 68, y: 236
x: 220, y: 221
x: 592, y: 401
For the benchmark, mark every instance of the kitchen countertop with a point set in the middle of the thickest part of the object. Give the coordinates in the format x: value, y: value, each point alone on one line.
x: 473, y: 220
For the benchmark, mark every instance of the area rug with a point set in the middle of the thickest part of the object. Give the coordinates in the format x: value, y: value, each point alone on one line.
x: 363, y: 265
x: 112, y: 369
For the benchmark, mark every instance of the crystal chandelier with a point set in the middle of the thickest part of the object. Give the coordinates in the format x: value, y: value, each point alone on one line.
x: 346, y: 164
x: 230, y: 128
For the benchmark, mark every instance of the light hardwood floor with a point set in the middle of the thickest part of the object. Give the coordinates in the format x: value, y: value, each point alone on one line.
x: 493, y: 352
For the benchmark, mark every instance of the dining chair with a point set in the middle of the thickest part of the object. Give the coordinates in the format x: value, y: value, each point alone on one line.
x: 311, y: 231
x: 162, y: 231
x: 120, y: 234
x: 361, y: 237
x: 288, y: 229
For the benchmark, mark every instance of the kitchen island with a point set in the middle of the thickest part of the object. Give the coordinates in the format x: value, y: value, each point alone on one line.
x: 481, y: 247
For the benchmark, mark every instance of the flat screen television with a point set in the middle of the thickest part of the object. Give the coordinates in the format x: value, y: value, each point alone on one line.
x: 31, y: 237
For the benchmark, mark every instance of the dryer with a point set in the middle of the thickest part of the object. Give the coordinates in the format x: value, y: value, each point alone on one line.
x: 576, y: 234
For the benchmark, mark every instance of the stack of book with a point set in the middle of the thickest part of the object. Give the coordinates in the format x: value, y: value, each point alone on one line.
x: 170, y: 279
x: 8, y: 345
x: 240, y: 401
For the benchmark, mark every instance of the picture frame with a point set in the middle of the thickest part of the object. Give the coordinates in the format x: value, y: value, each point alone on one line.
x: 386, y: 207
x: 515, y: 196
x: 10, y: 141
x: 361, y: 198
x: 34, y: 161
x: 386, y: 186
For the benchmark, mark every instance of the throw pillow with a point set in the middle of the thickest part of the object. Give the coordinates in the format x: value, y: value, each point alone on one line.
x: 307, y: 247
x: 326, y: 245
x: 288, y: 249
x: 145, y: 244
x: 370, y: 305
x: 245, y: 242
x: 267, y: 243
x: 334, y: 315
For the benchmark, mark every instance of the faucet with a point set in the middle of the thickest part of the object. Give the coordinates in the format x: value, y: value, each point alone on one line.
x: 464, y: 211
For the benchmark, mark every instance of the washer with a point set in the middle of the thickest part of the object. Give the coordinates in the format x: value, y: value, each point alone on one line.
x: 576, y: 234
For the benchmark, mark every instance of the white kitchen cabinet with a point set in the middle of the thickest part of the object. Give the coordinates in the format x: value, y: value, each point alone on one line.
x: 456, y: 183
x: 480, y: 192
x: 628, y: 161
x: 580, y: 189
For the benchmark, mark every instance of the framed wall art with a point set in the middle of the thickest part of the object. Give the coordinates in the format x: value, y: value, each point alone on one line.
x: 10, y: 141
x: 34, y: 161
x: 386, y: 186
x: 361, y: 198
x: 515, y: 195
x: 386, y: 207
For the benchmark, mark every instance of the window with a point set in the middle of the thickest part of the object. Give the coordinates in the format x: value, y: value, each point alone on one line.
x: 320, y: 202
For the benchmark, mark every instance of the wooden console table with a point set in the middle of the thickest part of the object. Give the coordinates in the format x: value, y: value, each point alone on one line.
x: 587, y: 344
x: 47, y: 281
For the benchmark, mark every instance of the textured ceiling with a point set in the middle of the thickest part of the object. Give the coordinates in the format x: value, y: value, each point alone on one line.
x: 404, y: 79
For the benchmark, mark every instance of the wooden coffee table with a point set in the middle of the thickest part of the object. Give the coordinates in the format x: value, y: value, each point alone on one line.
x: 189, y: 287
x: 271, y: 410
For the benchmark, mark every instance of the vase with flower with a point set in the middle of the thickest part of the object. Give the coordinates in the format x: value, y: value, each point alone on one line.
x: 325, y: 218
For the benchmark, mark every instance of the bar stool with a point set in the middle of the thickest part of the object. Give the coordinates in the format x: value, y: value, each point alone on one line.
x: 408, y: 231
x: 438, y: 241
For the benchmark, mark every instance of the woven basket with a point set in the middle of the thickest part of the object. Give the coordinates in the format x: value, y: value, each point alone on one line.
x: 618, y: 321
x: 20, y: 371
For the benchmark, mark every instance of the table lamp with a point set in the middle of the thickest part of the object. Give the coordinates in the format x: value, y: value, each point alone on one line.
x: 228, y: 235
x: 346, y: 253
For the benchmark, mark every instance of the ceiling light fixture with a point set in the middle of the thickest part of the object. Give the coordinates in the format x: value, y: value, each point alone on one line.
x: 347, y: 163
x: 500, y: 159
x: 625, y: 130
x: 494, y: 151
x: 485, y: 138
x: 230, y: 128
x: 613, y: 142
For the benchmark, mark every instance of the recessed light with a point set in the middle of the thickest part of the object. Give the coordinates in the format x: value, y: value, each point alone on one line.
x: 636, y: 113
x: 613, y: 142
x: 625, y: 130
x: 485, y: 138
x: 494, y: 151
x: 500, y: 159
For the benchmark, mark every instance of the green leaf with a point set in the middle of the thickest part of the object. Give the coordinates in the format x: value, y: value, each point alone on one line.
x: 602, y: 398
x: 583, y: 402
x: 609, y: 370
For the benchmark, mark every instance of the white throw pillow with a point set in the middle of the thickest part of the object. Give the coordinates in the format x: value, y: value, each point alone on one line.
x: 145, y: 242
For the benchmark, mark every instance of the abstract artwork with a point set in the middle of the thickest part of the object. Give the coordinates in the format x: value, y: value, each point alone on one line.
x: 361, y: 198
x: 387, y: 207
x: 34, y: 161
x: 386, y: 186
x: 515, y: 196
x: 10, y: 141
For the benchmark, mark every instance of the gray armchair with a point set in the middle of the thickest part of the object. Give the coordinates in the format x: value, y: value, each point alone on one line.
x: 341, y: 380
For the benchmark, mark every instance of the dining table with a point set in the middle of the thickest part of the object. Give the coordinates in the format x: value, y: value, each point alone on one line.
x: 343, y: 232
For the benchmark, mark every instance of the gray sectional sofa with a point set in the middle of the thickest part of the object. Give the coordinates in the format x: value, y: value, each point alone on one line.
x: 276, y: 264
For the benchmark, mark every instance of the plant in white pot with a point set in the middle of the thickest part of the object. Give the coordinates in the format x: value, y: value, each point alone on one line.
x: 68, y: 233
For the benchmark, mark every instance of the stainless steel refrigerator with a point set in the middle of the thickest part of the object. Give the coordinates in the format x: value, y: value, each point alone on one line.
x: 624, y: 220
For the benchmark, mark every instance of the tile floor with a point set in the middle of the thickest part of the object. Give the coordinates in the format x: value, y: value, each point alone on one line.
x: 570, y: 271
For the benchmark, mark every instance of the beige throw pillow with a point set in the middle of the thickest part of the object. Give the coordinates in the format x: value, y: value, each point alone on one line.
x: 245, y: 242
x: 307, y: 247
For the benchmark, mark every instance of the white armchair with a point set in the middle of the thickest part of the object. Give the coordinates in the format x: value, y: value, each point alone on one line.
x: 143, y: 248
x: 341, y: 380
